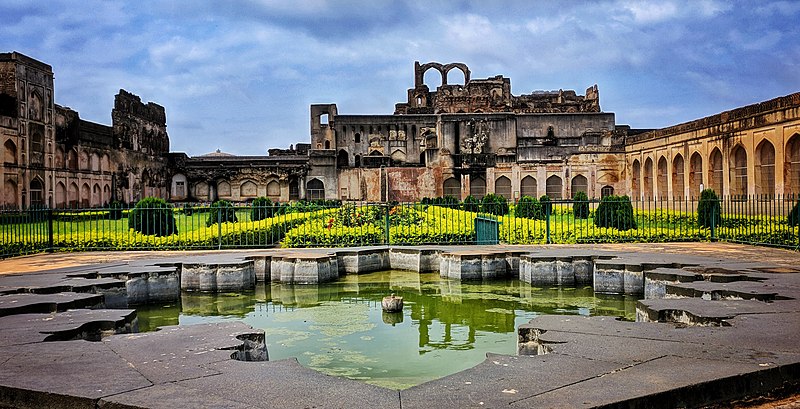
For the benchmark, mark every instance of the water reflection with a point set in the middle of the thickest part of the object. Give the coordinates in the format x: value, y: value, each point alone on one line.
x: 339, y: 328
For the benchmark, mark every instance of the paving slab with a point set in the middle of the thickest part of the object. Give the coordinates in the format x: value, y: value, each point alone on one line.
x: 63, y: 326
x: 44, y: 303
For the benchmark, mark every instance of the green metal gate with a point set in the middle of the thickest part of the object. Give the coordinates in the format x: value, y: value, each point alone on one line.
x: 487, y: 230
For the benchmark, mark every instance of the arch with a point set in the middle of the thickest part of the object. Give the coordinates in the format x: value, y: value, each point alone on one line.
x: 357, y: 161
x: 327, y: 144
x: 695, y: 174
x: 36, y: 192
x: 105, y: 164
x: 223, y: 188
x: 274, y: 190
x: 661, y: 177
x: 60, y: 162
x: 357, y: 137
x: 106, y: 193
x: 528, y: 186
x: 502, y: 187
x: 35, y: 103
x: 72, y: 159
x: 765, y: 168
x: 294, y: 190
x: 248, y: 188
x: 201, y: 191
x: 452, y: 187
x: 424, y: 68
x: 738, y: 170
x: 10, y: 194
x: 178, y: 186
x: 458, y: 67
x: 73, y: 198
x: 636, y: 191
x: 647, y: 178
x: 477, y: 187
x: 677, y: 177
x: 61, y: 195
x: 86, y: 195
x: 398, y: 156
x: 10, y: 152
x: 716, y: 180
x: 342, y: 159
x: 579, y: 184
x: 83, y: 160
x: 792, y: 166
x: 315, y: 189
x: 554, y: 187
x: 97, y: 195
x: 95, y: 162
x: 606, y: 191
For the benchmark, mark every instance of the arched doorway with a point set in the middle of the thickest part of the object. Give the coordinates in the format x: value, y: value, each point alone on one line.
x: 677, y: 177
x: 315, y: 189
x: 502, y: 187
x: 477, y: 187
x: 765, y: 169
x: 739, y: 172
x: 452, y: 187
x: 695, y: 175
x: 528, y: 186
x: 554, y: 187
x: 579, y: 184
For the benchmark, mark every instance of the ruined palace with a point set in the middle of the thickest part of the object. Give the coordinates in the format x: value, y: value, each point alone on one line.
x: 465, y: 137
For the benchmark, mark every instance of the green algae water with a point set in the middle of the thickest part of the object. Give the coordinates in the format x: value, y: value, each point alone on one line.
x: 339, y: 328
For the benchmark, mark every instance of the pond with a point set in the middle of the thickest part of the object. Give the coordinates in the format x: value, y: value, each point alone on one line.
x: 339, y: 328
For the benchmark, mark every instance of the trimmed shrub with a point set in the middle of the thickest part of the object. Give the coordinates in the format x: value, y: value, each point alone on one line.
x: 494, y: 204
x: 615, y: 211
x: 221, y: 211
x: 153, y: 217
x: 547, y: 205
x: 580, y: 205
x: 472, y: 204
x: 115, y: 210
x: 261, y: 208
x: 708, y: 209
x: 794, y: 215
x: 530, y: 208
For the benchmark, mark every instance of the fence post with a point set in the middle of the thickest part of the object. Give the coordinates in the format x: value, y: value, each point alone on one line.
x: 714, y: 223
x: 219, y: 227
x: 386, y: 223
x: 49, y: 230
x: 547, y: 210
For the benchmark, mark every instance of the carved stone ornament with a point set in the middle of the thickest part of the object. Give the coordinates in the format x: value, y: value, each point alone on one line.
x: 479, y: 136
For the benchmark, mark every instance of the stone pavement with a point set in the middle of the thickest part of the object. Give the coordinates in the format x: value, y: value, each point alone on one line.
x: 726, y: 329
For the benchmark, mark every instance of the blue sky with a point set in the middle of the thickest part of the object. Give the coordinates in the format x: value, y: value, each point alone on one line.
x: 240, y: 75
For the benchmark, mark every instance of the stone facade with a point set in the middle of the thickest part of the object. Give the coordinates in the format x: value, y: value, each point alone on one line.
x: 459, y: 140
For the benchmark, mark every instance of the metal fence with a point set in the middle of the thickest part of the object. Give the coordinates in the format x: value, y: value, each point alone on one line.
x: 758, y: 220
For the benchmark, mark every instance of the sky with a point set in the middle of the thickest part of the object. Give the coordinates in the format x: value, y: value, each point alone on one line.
x: 239, y: 75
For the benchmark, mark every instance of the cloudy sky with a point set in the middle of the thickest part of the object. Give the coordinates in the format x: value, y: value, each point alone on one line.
x: 240, y: 75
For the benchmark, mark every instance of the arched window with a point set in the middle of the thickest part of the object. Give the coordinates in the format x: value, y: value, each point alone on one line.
x: 357, y: 161
x: 248, y: 189
x: 528, y: 186
x: 739, y: 171
x: 327, y: 144
x: 554, y: 187
x: 342, y: 159
x: 452, y: 187
x: 579, y: 184
x: 86, y: 195
x: 274, y: 191
x: 104, y: 163
x: 695, y: 175
x: 36, y: 192
x: 61, y: 195
x: 294, y: 190
x: 477, y: 187
x: 84, y: 160
x: 95, y: 162
x: 315, y: 189
x: 73, y: 198
x: 792, y: 165
x: 358, y: 137
x: 647, y: 178
x: 106, y: 194
x: 97, y: 195
x: 716, y: 181
x: 10, y: 194
x: 72, y: 160
x: 502, y: 187
x: 10, y: 152
x: 607, y: 191
x: 662, y: 177
x: 635, y: 177
x: 765, y: 169
x: 59, y: 158
x: 223, y: 189
x: 677, y: 177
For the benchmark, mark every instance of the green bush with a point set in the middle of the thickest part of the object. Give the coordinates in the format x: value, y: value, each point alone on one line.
x: 446, y: 201
x: 472, y: 204
x: 708, y: 209
x: 494, y: 204
x: 547, y: 205
x: 221, y: 211
x: 262, y: 208
x: 794, y: 215
x: 115, y: 210
x: 580, y: 205
x: 529, y: 208
x: 153, y: 217
x: 188, y: 210
x: 615, y: 211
